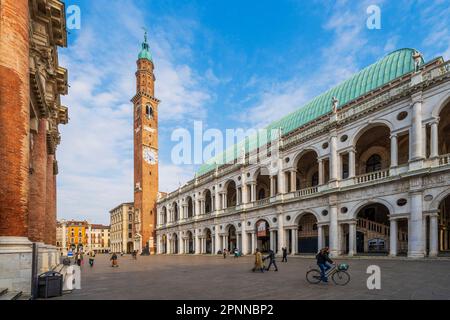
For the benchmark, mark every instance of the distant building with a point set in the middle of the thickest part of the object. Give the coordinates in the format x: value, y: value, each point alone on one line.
x: 82, y: 236
x: 121, y: 220
x: 100, y: 238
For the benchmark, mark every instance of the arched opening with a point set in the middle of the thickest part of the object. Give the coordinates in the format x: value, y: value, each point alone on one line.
x: 232, y: 238
x: 208, y: 202
x: 308, y: 234
x: 149, y: 111
x: 130, y: 247
x: 231, y: 194
x: 190, y: 208
x: 208, y: 241
x: 175, y: 243
x: 263, y: 235
x: 307, y: 171
x: 372, y: 229
x: 373, y: 150
x: 444, y: 226
x: 262, y: 185
x: 175, y: 211
x: 190, y: 243
x: 444, y: 130
x: 163, y: 215
x: 164, y: 244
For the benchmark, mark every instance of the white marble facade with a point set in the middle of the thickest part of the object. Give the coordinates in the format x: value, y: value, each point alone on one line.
x: 377, y: 168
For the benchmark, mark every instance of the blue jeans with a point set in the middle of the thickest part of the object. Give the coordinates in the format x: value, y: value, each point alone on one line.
x: 324, y: 267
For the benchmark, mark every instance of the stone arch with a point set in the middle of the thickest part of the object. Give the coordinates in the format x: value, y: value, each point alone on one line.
x: 441, y: 104
x: 372, y: 139
x: 302, y: 152
x: 296, y: 219
x: 364, y: 128
x: 438, y: 199
x: 353, y: 213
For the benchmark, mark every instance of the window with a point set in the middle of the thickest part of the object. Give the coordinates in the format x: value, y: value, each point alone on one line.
x: 130, y: 235
x: 149, y: 112
x: 130, y: 226
x: 345, y: 171
x: 373, y: 163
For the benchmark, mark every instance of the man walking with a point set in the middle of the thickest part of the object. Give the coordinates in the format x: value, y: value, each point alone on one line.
x: 284, y: 254
x: 271, y: 258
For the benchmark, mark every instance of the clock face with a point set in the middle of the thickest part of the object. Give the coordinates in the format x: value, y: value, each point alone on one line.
x: 150, y: 156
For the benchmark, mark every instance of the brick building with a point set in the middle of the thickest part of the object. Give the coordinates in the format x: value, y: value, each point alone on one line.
x: 31, y: 82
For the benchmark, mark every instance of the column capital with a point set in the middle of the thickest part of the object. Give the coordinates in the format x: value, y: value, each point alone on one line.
x: 393, y: 135
x: 435, y: 121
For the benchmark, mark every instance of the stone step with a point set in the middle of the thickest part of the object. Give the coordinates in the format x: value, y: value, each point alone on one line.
x: 3, y: 291
x: 11, y: 295
x: 24, y: 297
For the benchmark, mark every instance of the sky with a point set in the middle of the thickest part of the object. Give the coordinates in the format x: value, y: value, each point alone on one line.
x: 228, y: 63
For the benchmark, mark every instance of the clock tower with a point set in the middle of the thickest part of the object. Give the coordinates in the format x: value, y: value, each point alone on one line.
x: 145, y: 153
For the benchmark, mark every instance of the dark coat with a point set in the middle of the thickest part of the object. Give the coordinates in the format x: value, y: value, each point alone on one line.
x: 322, y: 258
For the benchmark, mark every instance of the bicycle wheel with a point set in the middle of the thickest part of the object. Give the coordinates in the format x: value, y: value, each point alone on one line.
x: 341, y: 278
x: 313, y: 276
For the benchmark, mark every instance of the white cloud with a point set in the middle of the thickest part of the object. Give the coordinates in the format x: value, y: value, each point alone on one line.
x: 96, y: 151
x: 337, y: 62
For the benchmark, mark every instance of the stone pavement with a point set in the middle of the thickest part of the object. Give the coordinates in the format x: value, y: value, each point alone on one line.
x: 206, y: 277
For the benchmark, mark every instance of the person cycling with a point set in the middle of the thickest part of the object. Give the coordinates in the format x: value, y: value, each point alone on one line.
x: 323, y: 261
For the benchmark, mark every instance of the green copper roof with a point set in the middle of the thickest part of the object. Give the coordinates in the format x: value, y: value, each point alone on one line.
x: 145, y: 52
x: 394, y: 65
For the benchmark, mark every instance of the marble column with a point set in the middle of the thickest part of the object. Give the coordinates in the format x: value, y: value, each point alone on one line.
x: 244, y: 238
x: 293, y: 180
x: 416, y: 128
x: 434, y: 235
x: 352, y: 239
x: 254, y: 242
x: 281, y: 234
x: 321, y: 172
x: 416, y: 226
x: 394, y: 150
x: 333, y: 157
x: 320, y: 237
x: 294, y: 241
x: 334, y: 232
x: 393, y: 236
x: 351, y: 163
x: 434, y: 146
x: 197, y: 243
x: 217, y: 239
x: 253, y: 192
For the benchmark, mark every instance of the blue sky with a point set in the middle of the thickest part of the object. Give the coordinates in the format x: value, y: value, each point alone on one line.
x: 230, y: 64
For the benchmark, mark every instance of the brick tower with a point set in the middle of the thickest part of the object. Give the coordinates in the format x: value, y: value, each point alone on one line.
x: 145, y: 153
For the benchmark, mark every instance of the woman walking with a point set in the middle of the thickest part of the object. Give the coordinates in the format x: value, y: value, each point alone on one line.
x: 259, y: 265
x: 91, y: 258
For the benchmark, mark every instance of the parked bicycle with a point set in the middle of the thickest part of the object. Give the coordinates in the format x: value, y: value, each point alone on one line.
x: 338, y: 273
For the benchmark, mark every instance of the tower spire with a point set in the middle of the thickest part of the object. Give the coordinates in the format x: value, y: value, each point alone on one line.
x: 145, y: 52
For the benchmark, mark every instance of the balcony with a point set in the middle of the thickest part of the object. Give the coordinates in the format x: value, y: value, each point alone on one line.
x: 444, y: 159
x: 372, y: 176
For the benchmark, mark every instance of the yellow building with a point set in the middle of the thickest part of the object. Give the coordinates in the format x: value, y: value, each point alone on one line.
x: 76, y: 235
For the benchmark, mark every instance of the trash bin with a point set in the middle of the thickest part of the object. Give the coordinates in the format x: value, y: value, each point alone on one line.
x: 50, y: 284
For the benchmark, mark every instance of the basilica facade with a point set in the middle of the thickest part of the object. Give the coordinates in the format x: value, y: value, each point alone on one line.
x: 364, y: 168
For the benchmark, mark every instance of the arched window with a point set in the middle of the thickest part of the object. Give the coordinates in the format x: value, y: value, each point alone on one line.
x: 373, y: 163
x: 149, y: 111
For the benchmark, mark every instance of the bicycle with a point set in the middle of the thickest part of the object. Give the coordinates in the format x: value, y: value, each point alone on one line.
x: 338, y: 274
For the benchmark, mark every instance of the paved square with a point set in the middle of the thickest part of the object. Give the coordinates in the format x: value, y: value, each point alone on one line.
x: 206, y: 277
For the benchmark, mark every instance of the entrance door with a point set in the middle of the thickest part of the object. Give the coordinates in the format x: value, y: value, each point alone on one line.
x: 359, y: 241
x: 308, y: 245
